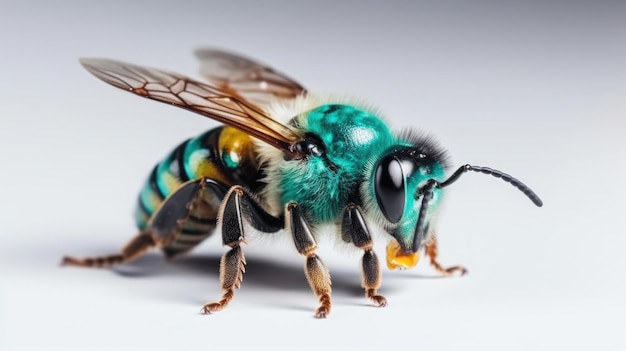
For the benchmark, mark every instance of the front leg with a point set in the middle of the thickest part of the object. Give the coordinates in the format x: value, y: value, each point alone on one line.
x: 316, y: 272
x: 354, y: 229
x: 432, y: 251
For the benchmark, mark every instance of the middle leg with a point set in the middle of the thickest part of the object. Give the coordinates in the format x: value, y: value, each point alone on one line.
x: 354, y: 229
x: 316, y: 272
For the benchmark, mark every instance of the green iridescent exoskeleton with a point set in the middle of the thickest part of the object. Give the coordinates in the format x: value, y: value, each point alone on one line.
x: 351, y: 138
x: 354, y: 140
x: 285, y: 161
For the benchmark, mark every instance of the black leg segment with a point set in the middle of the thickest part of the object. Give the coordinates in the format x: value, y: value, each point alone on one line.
x: 300, y: 230
x: 353, y: 227
x: 316, y: 272
x: 168, y: 221
x: 238, y: 206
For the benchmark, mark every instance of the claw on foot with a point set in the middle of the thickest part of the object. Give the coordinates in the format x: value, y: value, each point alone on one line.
x: 322, y: 312
x: 212, y: 307
x: 379, y: 300
x: 71, y: 261
x: 453, y: 270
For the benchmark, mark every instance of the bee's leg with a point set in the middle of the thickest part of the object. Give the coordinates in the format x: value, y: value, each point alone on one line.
x: 140, y: 244
x: 431, y: 252
x: 238, y: 206
x: 316, y: 272
x: 354, y: 230
x: 164, y: 226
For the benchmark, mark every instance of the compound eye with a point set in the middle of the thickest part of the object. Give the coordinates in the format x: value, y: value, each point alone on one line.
x: 389, y: 185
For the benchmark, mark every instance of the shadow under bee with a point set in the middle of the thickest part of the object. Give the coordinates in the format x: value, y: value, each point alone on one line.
x: 261, y: 272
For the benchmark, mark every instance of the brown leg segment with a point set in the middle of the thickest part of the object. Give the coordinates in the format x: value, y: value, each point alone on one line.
x: 139, y: 245
x: 431, y: 252
x: 232, y: 268
x: 319, y: 279
x: 316, y: 272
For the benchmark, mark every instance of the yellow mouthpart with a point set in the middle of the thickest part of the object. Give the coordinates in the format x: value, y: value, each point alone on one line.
x: 397, y: 258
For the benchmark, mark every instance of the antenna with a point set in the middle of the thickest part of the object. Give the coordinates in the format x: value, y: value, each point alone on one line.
x: 486, y: 170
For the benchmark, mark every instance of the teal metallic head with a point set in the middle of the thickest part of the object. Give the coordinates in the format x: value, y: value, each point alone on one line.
x: 408, y: 181
x: 401, y: 185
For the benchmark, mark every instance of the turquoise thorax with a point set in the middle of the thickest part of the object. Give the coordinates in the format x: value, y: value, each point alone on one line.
x: 352, y: 138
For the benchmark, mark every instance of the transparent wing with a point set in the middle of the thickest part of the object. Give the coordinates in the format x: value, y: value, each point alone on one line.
x: 246, y: 78
x: 216, y: 103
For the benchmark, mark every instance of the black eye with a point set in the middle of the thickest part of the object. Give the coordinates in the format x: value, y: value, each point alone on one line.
x: 390, y: 188
x: 311, y: 145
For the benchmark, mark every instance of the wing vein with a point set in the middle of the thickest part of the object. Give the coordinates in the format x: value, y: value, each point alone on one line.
x: 221, y: 103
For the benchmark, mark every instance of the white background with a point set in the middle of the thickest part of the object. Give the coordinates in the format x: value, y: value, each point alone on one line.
x: 536, y: 90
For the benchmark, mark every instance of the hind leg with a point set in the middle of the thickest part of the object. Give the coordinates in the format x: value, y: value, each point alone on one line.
x: 164, y: 226
x: 139, y: 245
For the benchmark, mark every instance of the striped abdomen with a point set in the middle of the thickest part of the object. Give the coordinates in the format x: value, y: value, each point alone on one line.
x: 224, y: 154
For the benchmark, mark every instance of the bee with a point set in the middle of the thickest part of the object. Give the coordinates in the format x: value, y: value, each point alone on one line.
x: 284, y: 160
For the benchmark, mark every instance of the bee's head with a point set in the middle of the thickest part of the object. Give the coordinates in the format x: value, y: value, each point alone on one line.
x: 407, y: 183
x: 401, y: 179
